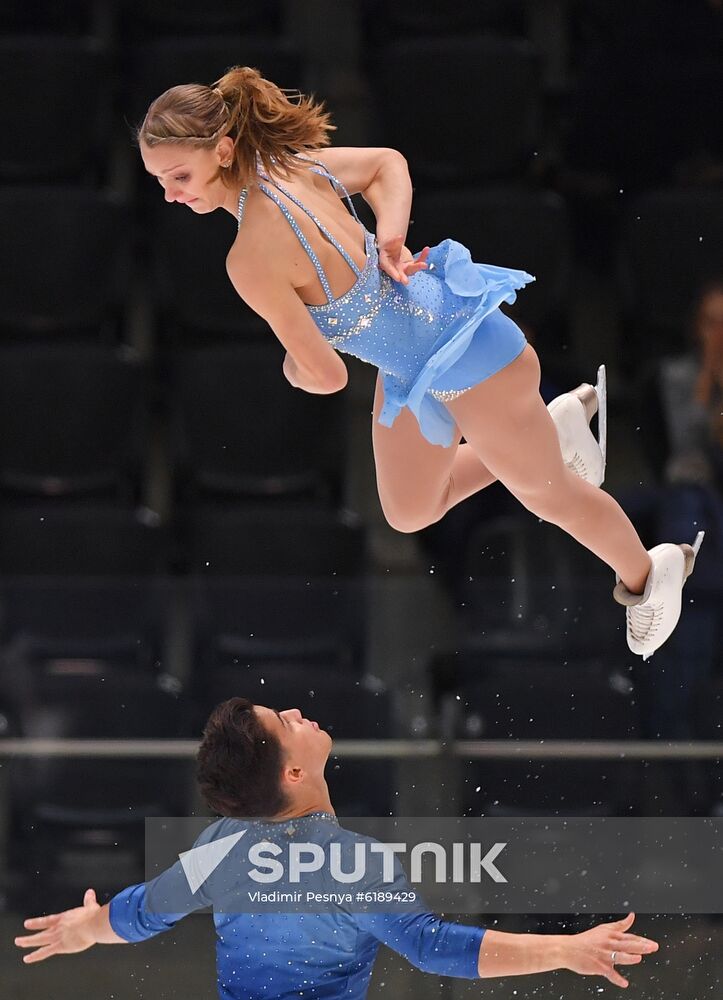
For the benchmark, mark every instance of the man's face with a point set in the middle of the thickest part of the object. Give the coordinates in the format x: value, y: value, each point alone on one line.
x: 305, y: 745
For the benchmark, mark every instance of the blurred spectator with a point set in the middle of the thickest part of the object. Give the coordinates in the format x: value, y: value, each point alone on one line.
x: 690, y: 403
x: 691, y: 388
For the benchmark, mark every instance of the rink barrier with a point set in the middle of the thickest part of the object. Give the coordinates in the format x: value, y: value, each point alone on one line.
x: 391, y: 749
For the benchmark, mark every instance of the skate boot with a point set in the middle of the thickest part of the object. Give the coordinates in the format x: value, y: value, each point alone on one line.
x: 572, y: 413
x: 652, y: 616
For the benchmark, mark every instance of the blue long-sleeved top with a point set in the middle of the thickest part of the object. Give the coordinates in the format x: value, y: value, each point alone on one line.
x: 305, y: 955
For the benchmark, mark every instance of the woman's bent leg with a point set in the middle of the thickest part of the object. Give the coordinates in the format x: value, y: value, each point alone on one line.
x: 419, y: 482
x: 509, y: 427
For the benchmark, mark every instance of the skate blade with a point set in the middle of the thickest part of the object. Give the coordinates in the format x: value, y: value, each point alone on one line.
x: 691, y: 553
x: 601, y: 392
x: 698, y: 542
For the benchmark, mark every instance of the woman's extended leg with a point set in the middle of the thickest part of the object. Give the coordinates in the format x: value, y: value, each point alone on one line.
x: 419, y: 482
x: 507, y: 424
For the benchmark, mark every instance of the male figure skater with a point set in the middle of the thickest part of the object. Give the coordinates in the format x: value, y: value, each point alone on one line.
x: 257, y: 762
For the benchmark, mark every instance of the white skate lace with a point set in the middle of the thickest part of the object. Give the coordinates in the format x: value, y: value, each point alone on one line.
x: 577, y: 465
x: 643, y: 620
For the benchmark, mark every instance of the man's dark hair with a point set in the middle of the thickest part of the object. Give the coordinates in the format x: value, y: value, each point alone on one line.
x: 239, y: 763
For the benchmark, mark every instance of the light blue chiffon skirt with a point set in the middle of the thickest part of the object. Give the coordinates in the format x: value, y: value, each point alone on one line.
x: 482, y: 343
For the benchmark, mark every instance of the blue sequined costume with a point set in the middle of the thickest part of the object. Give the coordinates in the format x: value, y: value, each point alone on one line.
x: 431, y: 339
x: 272, y: 955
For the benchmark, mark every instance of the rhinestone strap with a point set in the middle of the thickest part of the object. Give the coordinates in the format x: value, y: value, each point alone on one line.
x: 303, y: 240
x: 334, y: 242
x: 241, y: 204
x: 335, y: 181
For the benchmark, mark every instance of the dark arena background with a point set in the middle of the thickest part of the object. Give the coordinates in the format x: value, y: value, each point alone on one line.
x: 178, y: 525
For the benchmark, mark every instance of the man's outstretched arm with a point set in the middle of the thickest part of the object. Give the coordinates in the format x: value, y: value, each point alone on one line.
x: 134, y: 914
x: 69, y: 932
x: 589, y: 953
x: 452, y: 949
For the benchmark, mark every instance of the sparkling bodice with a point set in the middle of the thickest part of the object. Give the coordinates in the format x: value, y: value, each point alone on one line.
x: 412, y: 333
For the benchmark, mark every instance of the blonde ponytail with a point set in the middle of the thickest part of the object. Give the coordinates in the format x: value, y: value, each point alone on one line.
x: 266, y: 123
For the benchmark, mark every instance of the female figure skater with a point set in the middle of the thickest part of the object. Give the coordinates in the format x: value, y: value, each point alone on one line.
x: 451, y: 364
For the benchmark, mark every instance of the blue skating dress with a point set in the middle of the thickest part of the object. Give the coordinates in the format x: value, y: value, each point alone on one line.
x: 431, y: 339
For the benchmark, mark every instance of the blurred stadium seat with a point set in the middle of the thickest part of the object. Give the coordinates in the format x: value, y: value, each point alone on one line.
x: 62, y: 805
x: 524, y: 700
x: 671, y: 242
x: 272, y: 540
x: 68, y: 251
x: 74, y: 17
x: 174, y: 17
x: 56, y: 109
x: 283, y: 621
x: 490, y: 129
x: 192, y: 295
x: 240, y: 429
x: 72, y: 420
x: 411, y: 18
x: 525, y: 585
x: 114, y: 619
x: 80, y: 538
x: 708, y: 725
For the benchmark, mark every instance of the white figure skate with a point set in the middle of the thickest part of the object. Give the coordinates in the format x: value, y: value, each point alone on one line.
x: 652, y: 616
x: 572, y: 413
